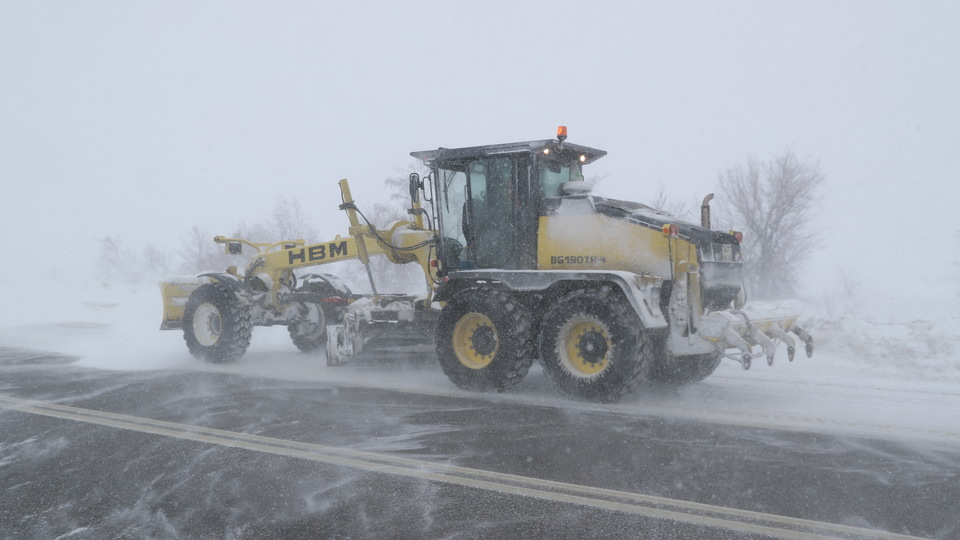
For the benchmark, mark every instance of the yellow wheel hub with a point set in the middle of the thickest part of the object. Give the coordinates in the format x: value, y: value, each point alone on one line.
x: 585, y: 347
x: 475, y: 340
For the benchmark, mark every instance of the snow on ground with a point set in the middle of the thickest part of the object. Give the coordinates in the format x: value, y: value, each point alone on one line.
x: 876, y: 375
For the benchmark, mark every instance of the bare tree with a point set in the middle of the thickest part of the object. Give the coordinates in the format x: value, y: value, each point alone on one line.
x: 595, y: 179
x: 772, y: 203
x: 155, y: 261
x: 199, y: 253
x: 845, y: 299
x: 666, y: 205
x: 109, y: 258
x: 288, y: 223
x: 119, y: 263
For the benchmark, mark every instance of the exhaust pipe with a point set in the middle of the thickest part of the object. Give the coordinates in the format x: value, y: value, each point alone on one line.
x: 705, y: 211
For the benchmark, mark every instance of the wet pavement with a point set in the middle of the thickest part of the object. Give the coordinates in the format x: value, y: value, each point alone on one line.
x: 88, y: 453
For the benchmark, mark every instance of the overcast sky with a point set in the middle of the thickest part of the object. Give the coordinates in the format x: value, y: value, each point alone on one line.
x: 146, y: 118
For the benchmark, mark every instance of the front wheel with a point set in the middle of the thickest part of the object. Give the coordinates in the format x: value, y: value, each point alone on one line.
x: 216, y: 326
x: 310, y: 332
x: 592, y: 345
x: 484, y: 340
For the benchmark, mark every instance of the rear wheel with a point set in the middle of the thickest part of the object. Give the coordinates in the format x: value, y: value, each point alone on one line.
x: 484, y: 341
x: 216, y: 326
x: 592, y: 346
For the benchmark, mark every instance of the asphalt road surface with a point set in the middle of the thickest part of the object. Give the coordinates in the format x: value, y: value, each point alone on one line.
x: 87, y: 453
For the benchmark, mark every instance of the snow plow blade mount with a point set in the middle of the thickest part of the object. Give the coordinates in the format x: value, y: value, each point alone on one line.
x: 754, y: 333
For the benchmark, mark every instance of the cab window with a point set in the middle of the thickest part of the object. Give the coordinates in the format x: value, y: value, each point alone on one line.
x: 554, y: 174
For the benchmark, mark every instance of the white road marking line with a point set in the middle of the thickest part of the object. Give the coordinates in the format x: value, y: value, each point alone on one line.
x: 744, y: 521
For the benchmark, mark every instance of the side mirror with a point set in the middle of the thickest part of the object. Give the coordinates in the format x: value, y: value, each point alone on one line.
x: 234, y: 248
x: 415, y: 187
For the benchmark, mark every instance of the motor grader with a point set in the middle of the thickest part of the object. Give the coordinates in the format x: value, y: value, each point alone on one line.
x: 521, y: 263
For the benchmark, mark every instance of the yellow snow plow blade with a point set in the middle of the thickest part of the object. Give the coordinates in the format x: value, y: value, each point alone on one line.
x: 175, y: 293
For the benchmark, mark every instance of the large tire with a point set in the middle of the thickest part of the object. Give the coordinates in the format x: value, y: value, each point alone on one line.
x: 484, y: 340
x: 216, y: 326
x: 592, y: 345
x: 669, y: 370
x: 310, y: 334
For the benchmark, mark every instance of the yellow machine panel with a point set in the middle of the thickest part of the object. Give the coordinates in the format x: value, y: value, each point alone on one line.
x: 598, y: 242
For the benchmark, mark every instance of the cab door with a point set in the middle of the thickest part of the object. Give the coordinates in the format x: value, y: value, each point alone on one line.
x: 490, y: 223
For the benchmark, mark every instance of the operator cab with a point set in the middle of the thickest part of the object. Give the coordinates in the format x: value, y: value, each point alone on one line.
x: 489, y: 198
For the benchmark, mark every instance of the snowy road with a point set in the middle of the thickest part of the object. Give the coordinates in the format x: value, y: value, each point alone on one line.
x: 789, y: 397
x: 279, y: 445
